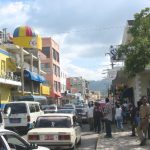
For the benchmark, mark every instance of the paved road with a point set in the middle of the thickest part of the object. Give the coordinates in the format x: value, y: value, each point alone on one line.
x: 89, y: 139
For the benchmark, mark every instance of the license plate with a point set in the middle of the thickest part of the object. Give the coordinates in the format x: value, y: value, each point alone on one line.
x: 49, y: 137
x: 15, y: 120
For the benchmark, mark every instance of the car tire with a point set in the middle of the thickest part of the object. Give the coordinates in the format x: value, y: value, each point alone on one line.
x: 74, y: 146
x: 79, y: 143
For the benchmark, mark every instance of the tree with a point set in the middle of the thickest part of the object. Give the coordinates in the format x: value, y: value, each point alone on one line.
x: 137, y: 51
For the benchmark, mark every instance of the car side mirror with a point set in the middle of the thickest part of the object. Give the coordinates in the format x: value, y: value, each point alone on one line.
x: 8, y: 112
x: 74, y: 119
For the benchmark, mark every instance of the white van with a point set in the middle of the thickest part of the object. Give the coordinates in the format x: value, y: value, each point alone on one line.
x: 22, y: 115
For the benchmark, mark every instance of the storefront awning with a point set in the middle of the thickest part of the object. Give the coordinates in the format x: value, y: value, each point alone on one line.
x: 33, y: 76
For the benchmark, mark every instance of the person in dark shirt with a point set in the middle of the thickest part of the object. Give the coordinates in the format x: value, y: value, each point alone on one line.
x: 97, y: 114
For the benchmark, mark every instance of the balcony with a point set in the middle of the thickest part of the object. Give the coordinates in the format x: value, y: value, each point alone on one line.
x: 11, y: 79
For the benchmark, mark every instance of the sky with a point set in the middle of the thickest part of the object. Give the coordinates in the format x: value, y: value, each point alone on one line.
x: 84, y: 29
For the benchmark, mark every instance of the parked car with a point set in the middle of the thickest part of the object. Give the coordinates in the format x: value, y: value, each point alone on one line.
x: 83, y: 113
x: 50, y: 108
x: 72, y: 111
x: 1, y: 120
x: 22, y: 115
x: 56, y: 130
x: 10, y: 140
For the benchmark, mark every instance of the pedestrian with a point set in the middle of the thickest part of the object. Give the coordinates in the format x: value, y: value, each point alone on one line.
x: 90, y: 116
x: 108, y: 118
x: 144, y: 114
x: 97, y: 117
x: 118, y: 117
x: 124, y: 113
x: 134, y: 118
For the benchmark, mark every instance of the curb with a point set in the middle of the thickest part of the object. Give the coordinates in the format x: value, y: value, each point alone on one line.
x: 97, y: 143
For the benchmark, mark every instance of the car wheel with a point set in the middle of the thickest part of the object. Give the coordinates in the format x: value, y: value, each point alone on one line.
x: 79, y: 143
x: 74, y: 146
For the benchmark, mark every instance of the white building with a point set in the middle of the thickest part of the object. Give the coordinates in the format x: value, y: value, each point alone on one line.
x: 63, y: 76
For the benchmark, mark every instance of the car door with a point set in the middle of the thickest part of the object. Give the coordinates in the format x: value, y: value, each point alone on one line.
x: 3, y: 144
x: 77, y: 130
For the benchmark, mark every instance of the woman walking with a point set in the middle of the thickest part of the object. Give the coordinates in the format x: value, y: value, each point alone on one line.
x: 118, y: 117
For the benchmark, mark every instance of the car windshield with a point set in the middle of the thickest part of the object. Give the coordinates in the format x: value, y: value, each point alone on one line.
x: 16, y: 108
x: 53, y: 122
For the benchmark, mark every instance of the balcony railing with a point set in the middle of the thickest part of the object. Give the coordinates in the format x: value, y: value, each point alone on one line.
x: 10, y: 78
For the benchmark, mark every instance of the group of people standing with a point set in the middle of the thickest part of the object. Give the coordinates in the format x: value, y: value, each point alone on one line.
x: 102, y: 116
x: 99, y: 116
x: 140, y: 116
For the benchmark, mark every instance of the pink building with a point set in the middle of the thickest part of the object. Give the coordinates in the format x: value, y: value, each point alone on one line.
x: 50, y: 63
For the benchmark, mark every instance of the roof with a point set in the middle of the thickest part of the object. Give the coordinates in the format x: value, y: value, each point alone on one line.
x: 23, y: 102
x: 58, y: 114
x: 130, y: 22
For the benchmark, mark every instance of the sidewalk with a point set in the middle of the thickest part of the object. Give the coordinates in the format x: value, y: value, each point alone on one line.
x: 121, y: 141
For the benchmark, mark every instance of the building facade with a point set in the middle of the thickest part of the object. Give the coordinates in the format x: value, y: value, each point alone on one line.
x: 50, y: 63
x: 78, y: 85
x: 20, y: 71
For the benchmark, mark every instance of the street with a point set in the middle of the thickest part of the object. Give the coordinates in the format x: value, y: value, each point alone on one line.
x: 89, y: 139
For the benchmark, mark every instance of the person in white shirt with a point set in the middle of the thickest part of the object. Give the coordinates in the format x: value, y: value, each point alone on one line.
x: 118, y: 117
x: 90, y: 117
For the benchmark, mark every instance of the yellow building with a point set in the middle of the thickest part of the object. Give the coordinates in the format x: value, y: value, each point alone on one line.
x: 7, y: 77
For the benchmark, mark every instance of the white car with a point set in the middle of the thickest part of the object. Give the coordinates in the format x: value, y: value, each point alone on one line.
x: 56, y: 130
x: 9, y: 140
x: 50, y: 108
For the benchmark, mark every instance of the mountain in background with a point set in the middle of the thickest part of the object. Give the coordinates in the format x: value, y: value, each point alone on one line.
x: 101, y: 86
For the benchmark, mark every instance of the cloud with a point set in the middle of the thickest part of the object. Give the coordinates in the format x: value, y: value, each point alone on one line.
x: 13, y: 14
x: 84, y: 30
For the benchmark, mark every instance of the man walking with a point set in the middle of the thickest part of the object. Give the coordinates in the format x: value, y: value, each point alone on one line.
x: 108, y: 118
x: 144, y: 114
x: 90, y: 116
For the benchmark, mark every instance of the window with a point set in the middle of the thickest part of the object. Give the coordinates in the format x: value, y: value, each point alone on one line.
x: 55, y: 86
x: 37, y: 108
x: 3, y: 67
x: 46, y: 51
x: 16, y: 108
x: 2, y: 144
x: 54, y: 54
x: 15, y: 142
x: 32, y: 108
x: 47, y: 65
x: 53, y: 122
x: 57, y: 56
x: 58, y: 86
x: 55, y: 69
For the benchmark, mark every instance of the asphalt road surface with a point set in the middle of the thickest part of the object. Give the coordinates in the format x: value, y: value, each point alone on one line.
x: 89, y: 139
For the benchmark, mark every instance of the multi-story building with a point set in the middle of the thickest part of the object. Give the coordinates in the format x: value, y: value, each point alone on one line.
x: 50, y: 63
x: 28, y: 62
x: 20, y: 65
x: 8, y: 80
x: 63, y: 76
x: 78, y: 85
x: 94, y: 95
